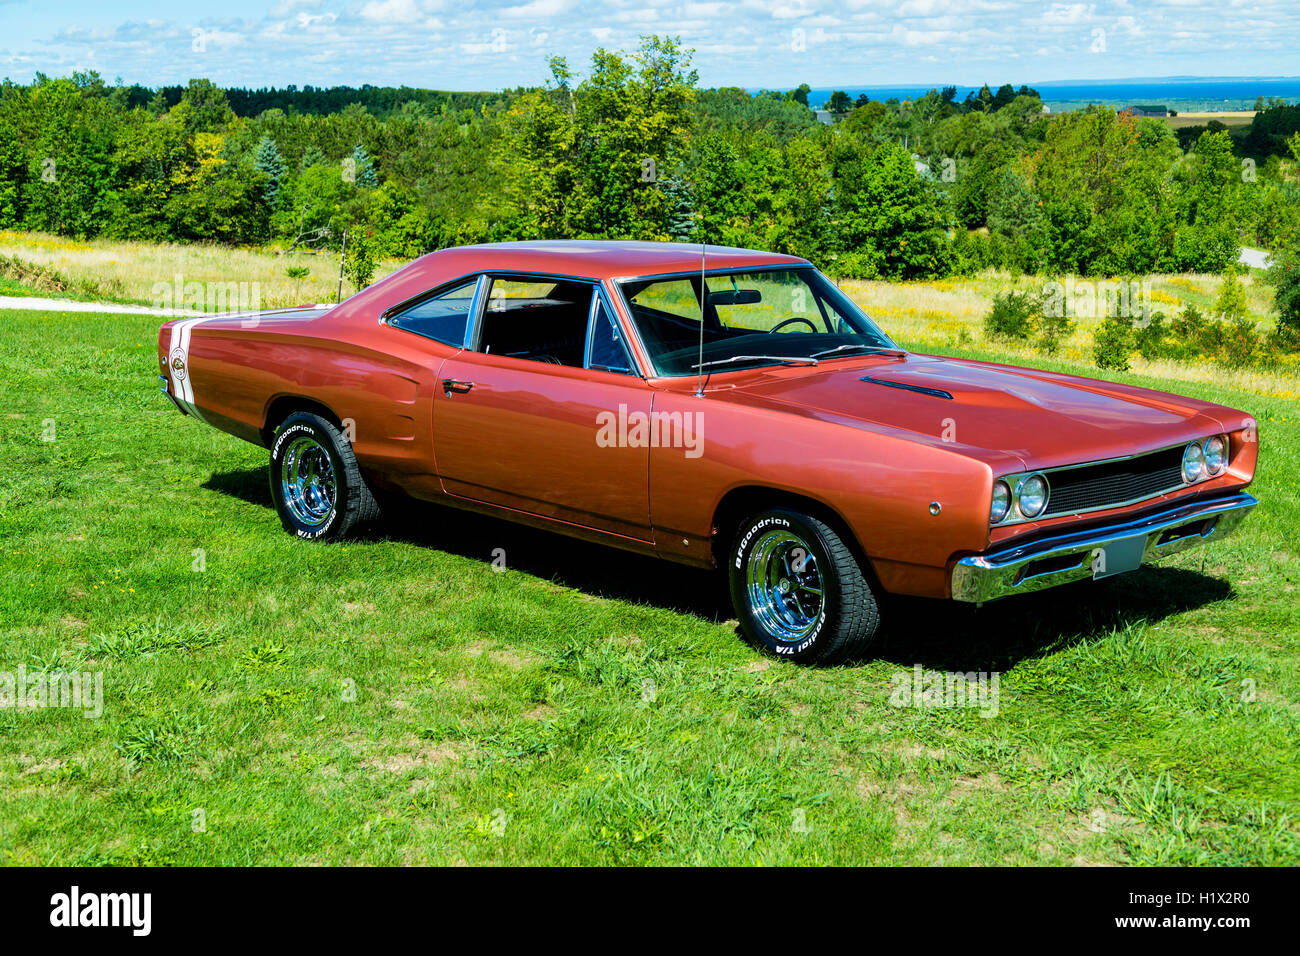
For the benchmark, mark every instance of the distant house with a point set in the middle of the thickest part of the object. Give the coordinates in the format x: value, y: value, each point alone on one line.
x: 1148, y: 110
x: 824, y: 116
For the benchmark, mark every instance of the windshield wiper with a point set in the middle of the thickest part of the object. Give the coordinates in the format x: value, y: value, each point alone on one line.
x: 784, y: 359
x: 854, y: 345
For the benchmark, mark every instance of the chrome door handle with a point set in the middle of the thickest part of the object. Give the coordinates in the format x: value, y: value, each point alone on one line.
x: 450, y: 385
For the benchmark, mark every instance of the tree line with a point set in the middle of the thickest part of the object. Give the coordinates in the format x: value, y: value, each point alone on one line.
x: 924, y: 187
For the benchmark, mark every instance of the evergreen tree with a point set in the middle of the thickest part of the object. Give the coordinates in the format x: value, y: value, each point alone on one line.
x: 365, y: 168
x: 270, y: 163
x: 312, y: 156
x: 681, y: 209
x: 1231, y: 303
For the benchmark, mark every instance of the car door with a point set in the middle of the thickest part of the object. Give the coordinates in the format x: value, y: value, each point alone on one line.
x: 523, y: 418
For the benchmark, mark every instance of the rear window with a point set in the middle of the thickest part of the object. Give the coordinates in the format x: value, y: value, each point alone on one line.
x: 444, y: 317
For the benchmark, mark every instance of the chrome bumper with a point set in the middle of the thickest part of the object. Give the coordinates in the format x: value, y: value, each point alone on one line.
x: 1096, y: 552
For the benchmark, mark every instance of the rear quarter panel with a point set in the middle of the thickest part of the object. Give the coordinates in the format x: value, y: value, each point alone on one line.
x: 378, y: 382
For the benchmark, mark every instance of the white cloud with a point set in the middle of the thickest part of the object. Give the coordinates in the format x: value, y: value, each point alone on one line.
x: 1068, y: 13
x: 538, y: 9
x: 391, y: 11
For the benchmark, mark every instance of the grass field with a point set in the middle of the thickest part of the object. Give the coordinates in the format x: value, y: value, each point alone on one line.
x: 118, y: 271
x: 1233, y: 119
x: 398, y: 701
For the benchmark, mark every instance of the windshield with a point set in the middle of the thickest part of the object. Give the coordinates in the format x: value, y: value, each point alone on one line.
x: 765, y: 317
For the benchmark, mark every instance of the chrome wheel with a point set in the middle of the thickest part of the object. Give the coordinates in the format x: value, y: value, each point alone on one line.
x: 784, y: 585
x: 307, y: 481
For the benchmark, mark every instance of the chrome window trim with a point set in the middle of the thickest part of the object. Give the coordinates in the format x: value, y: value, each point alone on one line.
x: 475, y: 324
x: 598, y: 298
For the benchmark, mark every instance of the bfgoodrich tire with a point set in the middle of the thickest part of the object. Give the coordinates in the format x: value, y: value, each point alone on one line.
x: 316, y: 484
x: 799, y: 591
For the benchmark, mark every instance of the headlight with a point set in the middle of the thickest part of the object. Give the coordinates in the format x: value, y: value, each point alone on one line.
x: 1216, y: 456
x: 1193, y: 462
x: 1033, y: 496
x: 1001, y: 502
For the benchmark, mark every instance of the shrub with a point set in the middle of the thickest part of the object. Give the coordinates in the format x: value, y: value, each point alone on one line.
x: 1051, y: 330
x: 1187, y: 333
x: 1114, y: 342
x: 1231, y: 303
x: 1230, y: 341
x: 1150, y: 337
x: 1014, y: 316
x: 1019, y: 317
x: 40, y: 278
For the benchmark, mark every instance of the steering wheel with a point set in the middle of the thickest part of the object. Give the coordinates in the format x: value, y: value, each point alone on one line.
x: 794, y: 318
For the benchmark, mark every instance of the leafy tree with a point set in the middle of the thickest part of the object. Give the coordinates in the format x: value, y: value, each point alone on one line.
x: 719, y: 191
x: 204, y: 107
x: 890, y: 219
x: 359, y: 260
x: 586, y: 161
x: 839, y: 103
x: 214, y: 198
x: 1208, y: 242
x: 1015, y: 212
x: 65, y: 187
x: 149, y: 155
x: 1284, y: 274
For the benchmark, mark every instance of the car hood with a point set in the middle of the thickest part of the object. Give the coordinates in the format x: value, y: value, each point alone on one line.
x: 1043, y: 418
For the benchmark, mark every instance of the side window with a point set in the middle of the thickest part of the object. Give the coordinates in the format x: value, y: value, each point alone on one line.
x: 443, y: 317
x: 542, y: 320
x: 607, y: 349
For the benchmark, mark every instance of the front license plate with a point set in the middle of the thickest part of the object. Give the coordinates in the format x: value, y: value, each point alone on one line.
x: 1118, y: 556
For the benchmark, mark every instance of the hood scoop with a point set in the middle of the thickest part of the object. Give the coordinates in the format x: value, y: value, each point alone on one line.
x: 907, y: 387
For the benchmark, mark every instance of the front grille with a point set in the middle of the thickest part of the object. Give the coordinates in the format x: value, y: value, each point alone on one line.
x: 1115, y: 483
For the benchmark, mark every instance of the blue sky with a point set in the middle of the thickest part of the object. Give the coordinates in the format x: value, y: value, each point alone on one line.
x: 467, y: 44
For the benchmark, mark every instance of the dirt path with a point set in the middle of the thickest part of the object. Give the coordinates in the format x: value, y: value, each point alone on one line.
x: 36, y: 303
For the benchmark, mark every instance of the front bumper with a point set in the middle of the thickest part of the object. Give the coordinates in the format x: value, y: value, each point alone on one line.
x: 1096, y: 552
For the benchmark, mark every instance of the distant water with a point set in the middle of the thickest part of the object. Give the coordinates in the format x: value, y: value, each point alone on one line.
x: 1181, y: 93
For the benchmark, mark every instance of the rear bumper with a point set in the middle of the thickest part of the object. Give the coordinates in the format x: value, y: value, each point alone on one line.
x: 1096, y: 552
x: 162, y: 384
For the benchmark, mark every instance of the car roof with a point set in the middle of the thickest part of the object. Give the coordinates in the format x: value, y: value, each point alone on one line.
x: 599, y: 259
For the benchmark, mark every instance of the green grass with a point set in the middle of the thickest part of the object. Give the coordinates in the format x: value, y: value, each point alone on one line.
x: 395, y: 700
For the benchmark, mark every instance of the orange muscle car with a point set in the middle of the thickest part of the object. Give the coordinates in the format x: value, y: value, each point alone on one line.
x: 717, y: 407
